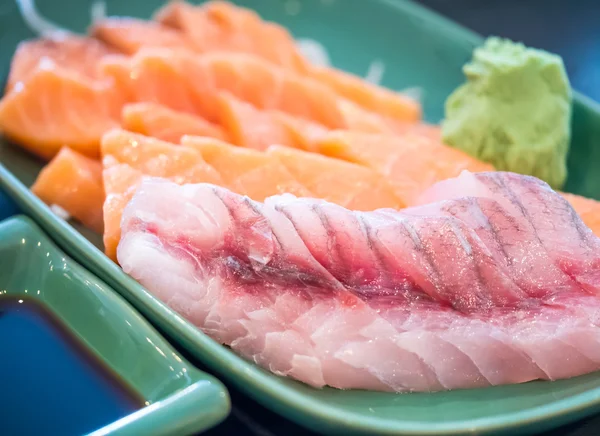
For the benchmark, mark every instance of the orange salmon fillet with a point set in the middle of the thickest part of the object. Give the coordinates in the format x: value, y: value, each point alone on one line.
x: 152, y: 119
x: 250, y: 127
x: 430, y: 131
x: 54, y: 107
x: 303, y: 134
x: 221, y: 26
x: 588, y: 209
x: 128, y: 35
x: 350, y: 185
x: 245, y: 171
x: 155, y: 77
x: 371, y: 97
x: 80, y: 55
x: 191, y: 83
x: 128, y: 157
x: 410, y: 163
x: 360, y: 119
x: 73, y: 182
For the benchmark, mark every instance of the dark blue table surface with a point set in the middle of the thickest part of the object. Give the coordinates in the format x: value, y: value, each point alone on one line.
x: 570, y: 28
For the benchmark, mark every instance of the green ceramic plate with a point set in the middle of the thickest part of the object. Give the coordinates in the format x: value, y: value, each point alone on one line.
x: 418, y: 48
x: 180, y: 399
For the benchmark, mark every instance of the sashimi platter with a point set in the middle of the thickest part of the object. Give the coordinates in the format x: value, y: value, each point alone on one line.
x: 312, y: 233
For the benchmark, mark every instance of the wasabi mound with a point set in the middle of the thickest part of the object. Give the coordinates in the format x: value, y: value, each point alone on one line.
x: 514, y: 111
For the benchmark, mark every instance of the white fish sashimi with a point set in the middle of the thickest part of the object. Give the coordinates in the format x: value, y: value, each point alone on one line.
x: 426, y: 299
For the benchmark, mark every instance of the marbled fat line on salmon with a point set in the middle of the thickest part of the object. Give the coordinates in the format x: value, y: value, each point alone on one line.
x: 499, y: 287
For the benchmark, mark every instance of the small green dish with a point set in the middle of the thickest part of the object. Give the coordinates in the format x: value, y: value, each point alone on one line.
x: 419, y: 48
x: 179, y: 398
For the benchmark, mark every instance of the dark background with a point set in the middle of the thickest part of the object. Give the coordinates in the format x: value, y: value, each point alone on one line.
x: 570, y: 28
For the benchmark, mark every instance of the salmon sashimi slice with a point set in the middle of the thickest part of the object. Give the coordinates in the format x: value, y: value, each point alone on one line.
x: 80, y: 55
x: 267, y: 87
x: 128, y: 35
x: 431, y: 131
x: 222, y: 26
x: 588, y: 209
x: 127, y: 158
x: 152, y: 119
x: 349, y: 185
x: 120, y: 182
x: 409, y: 163
x: 54, y: 107
x: 73, y: 182
x: 191, y: 83
x: 360, y: 119
x: 156, y: 78
x: 245, y: 171
x: 303, y: 134
x: 371, y: 300
x: 250, y: 127
x: 371, y: 97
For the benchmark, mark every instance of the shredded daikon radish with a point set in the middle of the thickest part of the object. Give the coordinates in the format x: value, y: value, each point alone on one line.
x: 416, y: 93
x: 375, y: 72
x: 46, y: 28
x: 38, y: 24
x: 317, y: 54
x: 314, y: 51
x: 98, y: 11
x: 60, y: 212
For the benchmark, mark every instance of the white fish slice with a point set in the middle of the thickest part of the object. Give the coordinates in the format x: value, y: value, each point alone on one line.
x: 421, y: 300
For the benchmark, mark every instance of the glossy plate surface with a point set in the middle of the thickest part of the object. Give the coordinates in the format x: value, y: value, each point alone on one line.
x: 180, y: 398
x: 418, y: 48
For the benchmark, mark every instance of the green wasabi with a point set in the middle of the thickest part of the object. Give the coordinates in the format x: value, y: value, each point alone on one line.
x: 514, y: 111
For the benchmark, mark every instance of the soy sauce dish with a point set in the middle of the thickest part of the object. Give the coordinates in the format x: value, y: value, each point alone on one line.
x: 77, y: 359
